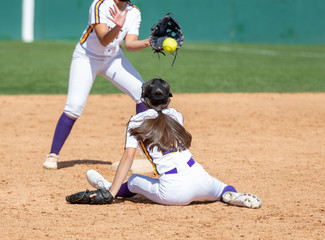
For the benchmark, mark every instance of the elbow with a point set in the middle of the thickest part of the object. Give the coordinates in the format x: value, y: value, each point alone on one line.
x: 102, y: 42
x: 128, y: 48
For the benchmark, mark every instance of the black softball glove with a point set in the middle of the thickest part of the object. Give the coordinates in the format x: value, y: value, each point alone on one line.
x: 167, y: 27
x: 103, y: 196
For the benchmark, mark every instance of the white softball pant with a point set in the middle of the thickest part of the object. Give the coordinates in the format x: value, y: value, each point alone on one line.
x: 83, y: 71
x: 178, y: 189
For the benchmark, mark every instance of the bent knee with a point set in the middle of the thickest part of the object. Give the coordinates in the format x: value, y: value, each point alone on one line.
x: 131, y: 179
x: 73, y: 110
x: 133, y: 182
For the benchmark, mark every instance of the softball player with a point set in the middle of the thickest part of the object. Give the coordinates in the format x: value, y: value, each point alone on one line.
x: 99, y: 52
x: 160, y: 133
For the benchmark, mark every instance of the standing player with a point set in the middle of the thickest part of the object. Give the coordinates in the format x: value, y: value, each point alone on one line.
x: 99, y: 53
x: 160, y: 133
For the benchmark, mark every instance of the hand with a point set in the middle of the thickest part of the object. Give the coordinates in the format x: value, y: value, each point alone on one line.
x: 148, y: 42
x: 117, y: 17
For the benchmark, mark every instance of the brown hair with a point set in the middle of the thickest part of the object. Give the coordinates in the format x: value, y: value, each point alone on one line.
x: 164, y: 132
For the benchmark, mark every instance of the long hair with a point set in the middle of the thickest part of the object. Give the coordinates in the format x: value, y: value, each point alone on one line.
x: 162, y: 132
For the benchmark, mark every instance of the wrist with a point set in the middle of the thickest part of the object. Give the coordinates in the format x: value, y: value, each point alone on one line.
x: 118, y: 27
x: 147, y: 42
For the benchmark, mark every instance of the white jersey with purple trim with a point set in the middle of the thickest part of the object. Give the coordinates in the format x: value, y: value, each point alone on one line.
x: 99, y: 13
x: 181, y: 180
x: 90, y: 59
x: 162, y: 162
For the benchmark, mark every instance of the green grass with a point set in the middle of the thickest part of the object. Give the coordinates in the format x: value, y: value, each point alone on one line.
x: 43, y: 68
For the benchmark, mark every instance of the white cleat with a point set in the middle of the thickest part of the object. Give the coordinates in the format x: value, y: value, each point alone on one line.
x: 51, y: 161
x: 97, y: 181
x: 242, y: 199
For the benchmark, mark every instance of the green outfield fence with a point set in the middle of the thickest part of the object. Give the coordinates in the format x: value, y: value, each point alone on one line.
x: 257, y: 21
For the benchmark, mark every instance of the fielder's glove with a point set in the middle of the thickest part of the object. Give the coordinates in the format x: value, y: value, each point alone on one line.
x: 167, y: 27
x: 103, y: 196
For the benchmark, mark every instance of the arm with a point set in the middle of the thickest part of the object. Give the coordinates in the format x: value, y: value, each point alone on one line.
x: 122, y: 170
x: 132, y: 43
x: 105, y: 34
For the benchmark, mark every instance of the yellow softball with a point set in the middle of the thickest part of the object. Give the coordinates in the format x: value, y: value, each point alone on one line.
x: 169, y: 45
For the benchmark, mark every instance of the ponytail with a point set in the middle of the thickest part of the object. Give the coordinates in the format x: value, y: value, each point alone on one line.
x: 162, y: 132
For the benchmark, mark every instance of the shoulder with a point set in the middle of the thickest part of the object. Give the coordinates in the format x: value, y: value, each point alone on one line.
x: 133, y: 10
x: 137, y: 120
x: 133, y: 7
x: 150, y: 113
x: 174, y: 114
x: 99, y: 4
x: 172, y: 111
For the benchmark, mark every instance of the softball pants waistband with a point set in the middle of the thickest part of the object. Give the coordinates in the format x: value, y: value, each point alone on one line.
x: 190, y: 163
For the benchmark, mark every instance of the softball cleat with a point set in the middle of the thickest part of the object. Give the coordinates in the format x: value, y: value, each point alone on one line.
x: 51, y: 161
x: 97, y: 181
x: 242, y: 199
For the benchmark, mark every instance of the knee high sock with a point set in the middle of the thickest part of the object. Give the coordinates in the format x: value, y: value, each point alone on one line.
x: 62, y: 131
x: 228, y: 188
x: 140, y: 107
x: 124, y: 191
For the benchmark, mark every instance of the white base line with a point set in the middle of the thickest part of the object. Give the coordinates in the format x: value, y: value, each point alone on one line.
x: 27, y: 31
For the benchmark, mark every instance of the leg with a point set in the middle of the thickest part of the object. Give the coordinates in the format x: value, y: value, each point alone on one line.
x: 81, y: 79
x: 147, y: 186
x: 140, y: 107
x: 82, y: 76
x: 217, y: 190
x: 124, y: 191
x: 61, y: 133
x: 124, y: 76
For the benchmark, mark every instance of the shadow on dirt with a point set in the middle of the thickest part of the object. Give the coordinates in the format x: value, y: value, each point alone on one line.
x: 66, y: 164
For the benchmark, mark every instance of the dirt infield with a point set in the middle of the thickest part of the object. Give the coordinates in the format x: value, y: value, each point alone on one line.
x: 272, y: 145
